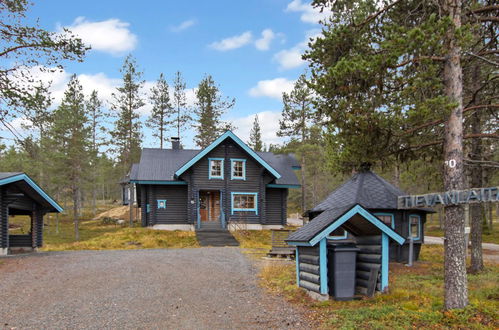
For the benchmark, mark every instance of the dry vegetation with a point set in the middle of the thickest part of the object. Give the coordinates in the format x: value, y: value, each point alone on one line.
x: 415, y: 299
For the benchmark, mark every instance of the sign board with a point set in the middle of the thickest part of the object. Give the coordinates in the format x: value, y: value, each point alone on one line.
x: 454, y: 197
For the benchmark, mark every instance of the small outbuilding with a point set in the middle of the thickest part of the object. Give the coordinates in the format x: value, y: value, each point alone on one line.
x: 380, y: 198
x: 20, y: 195
x: 317, y: 266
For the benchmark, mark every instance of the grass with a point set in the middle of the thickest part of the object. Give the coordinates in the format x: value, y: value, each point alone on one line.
x: 415, y: 299
x: 253, y: 239
x: 94, y: 235
x: 488, y: 236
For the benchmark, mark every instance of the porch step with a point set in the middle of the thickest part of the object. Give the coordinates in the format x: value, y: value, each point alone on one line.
x: 211, y: 225
x: 217, y: 237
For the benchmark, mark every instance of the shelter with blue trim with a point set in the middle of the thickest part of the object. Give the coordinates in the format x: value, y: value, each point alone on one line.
x: 316, y: 269
x: 20, y: 195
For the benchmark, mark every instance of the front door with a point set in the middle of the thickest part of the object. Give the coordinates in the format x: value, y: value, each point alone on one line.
x: 209, y: 205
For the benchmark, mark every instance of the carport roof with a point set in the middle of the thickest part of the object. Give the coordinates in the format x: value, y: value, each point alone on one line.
x: 30, y: 188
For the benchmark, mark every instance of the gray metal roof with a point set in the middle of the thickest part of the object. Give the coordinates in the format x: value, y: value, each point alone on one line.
x: 161, y: 164
x: 365, y: 188
x: 318, y: 224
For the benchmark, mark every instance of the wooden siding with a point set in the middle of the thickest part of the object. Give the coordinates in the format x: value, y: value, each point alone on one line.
x: 176, y: 204
x: 256, y: 179
x: 4, y: 223
x: 309, y: 268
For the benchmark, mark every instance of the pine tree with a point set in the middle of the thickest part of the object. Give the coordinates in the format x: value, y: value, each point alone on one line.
x: 182, y: 117
x: 39, y: 120
x: 162, y: 109
x: 127, y: 133
x: 255, y: 141
x: 209, y: 108
x: 25, y: 46
x: 297, y: 116
x: 72, y: 135
x: 96, y: 115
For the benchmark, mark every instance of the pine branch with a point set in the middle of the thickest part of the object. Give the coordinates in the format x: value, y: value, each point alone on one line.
x: 421, y: 58
x: 485, y: 9
x: 441, y: 121
x: 375, y: 15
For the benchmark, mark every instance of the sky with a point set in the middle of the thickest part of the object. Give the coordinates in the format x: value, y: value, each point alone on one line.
x: 251, y: 48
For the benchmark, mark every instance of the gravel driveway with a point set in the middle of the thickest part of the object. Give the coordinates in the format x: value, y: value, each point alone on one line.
x: 205, y: 288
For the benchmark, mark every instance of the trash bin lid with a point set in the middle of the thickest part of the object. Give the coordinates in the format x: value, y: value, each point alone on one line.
x: 344, y: 248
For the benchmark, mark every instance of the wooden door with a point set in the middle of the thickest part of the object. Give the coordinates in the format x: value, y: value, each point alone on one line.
x: 203, y: 206
x: 214, y: 206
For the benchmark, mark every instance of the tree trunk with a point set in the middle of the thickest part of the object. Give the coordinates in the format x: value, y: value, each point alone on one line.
x: 456, y: 286
x: 75, y: 212
x: 476, y: 182
x: 303, y: 191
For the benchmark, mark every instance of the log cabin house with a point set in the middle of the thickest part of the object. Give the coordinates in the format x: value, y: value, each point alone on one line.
x: 226, y: 185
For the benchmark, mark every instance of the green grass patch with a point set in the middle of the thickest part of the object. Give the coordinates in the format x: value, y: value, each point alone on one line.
x: 488, y: 236
x: 253, y: 239
x: 415, y: 299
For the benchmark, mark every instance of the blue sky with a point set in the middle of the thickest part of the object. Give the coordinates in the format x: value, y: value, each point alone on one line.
x: 251, y: 48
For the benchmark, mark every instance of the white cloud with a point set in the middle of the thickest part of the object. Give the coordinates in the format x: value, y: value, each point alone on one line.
x: 183, y: 26
x: 264, y: 42
x: 269, y: 124
x: 272, y: 88
x: 110, y: 36
x: 233, y: 42
x: 309, y: 14
x: 291, y: 58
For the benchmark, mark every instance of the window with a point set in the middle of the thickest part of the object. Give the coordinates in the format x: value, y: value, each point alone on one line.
x: 161, y: 204
x: 238, y: 169
x: 216, y: 170
x: 338, y: 233
x: 386, y: 218
x: 414, y: 226
x: 244, y: 202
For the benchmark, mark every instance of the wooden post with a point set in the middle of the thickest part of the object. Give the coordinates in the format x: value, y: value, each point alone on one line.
x: 385, y: 259
x: 130, y: 202
x: 323, y: 266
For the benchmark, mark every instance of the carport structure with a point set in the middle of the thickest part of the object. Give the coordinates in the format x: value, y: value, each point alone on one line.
x: 20, y: 195
x: 369, y: 233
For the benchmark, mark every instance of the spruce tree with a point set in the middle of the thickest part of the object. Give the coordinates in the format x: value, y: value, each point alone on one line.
x: 297, y: 116
x: 71, y: 134
x: 182, y: 116
x: 162, y: 109
x: 209, y: 108
x: 127, y: 133
x: 255, y: 141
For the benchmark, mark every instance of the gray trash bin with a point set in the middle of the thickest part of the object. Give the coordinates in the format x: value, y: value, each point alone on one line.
x: 341, y: 270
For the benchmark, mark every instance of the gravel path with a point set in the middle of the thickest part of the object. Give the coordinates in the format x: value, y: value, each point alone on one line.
x: 205, y: 288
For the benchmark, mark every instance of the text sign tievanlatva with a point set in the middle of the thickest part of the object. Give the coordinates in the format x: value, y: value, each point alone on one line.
x: 454, y: 197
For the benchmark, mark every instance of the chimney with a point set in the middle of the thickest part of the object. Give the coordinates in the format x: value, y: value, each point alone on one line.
x: 175, y: 143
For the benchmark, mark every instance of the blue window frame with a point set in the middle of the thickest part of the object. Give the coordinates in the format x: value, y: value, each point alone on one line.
x: 237, y: 169
x: 414, y: 226
x: 161, y: 203
x: 244, y: 202
x: 387, y: 218
x: 215, y: 168
x: 339, y: 233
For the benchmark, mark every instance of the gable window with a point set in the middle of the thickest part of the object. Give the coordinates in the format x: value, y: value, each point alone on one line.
x: 245, y: 202
x: 238, y: 169
x: 414, y: 226
x: 386, y: 218
x: 216, y: 170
